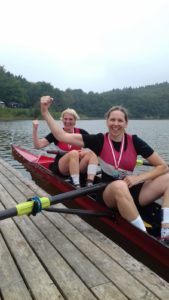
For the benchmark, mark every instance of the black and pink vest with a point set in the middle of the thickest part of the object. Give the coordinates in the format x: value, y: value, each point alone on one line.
x: 128, y: 159
x: 67, y: 147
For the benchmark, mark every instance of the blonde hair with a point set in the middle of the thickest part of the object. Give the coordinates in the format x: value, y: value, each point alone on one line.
x: 70, y: 111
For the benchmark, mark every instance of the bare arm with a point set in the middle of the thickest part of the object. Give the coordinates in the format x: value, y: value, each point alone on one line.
x: 160, y: 168
x: 38, y: 143
x: 59, y: 133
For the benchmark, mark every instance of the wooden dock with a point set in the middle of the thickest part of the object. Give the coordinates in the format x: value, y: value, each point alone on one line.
x: 57, y: 256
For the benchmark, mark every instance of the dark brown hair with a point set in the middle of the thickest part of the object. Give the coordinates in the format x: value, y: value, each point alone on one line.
x: 120, y: 108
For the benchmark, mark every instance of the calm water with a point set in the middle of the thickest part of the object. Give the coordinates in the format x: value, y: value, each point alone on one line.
x: 155, y: 132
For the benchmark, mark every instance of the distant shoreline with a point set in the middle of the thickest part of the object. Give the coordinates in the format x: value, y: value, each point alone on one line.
x: 81, y: 119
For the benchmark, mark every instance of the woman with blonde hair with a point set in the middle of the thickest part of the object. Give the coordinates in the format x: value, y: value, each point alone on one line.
x: 71, y: 160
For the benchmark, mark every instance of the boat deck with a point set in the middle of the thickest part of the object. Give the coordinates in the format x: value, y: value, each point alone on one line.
x: 57, y: 256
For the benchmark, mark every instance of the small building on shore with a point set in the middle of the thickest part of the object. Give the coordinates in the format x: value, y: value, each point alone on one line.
x: 13, y: 104
x: 2, y: 104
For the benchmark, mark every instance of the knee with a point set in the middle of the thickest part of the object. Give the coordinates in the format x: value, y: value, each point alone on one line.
x: 166, y: 180
x: 117, y: 192
x: 86, y: 154
x: 92, y: 155
x: 167, y: 175
x: 74, y: 154
x: 119, y: 186
x: 118, y: 189
x: 121, y: 191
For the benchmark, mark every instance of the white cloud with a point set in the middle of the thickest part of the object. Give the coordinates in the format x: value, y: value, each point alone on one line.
x: 87, y: 44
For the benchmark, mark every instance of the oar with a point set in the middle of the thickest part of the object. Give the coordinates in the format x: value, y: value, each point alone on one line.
x: 82, y: 212
x: 59, y: 151
x: 141, y: 162
x: 26, y: 208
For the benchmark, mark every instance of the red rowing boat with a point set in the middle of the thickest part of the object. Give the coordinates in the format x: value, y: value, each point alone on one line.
x: 145, y: 247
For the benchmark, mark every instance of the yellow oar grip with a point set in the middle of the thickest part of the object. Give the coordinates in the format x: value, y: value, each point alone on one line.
x: 139, y: 162
x: 147, y: 225
x: 25, y: 208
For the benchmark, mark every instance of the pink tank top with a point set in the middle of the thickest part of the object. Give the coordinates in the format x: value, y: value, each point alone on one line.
x: 68, y: 147
x: 128, y: 157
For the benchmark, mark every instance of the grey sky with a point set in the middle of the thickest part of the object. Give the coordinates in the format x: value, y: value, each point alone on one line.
x: 95, y: 45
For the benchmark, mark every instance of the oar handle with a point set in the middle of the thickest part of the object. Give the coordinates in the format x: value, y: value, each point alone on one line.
x: 141, y: 162
x: 52, y: 151
x: 24, y: 208
x: 59, y: 151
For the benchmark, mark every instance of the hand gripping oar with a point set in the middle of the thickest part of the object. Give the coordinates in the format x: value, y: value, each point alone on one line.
x: 26, y: 208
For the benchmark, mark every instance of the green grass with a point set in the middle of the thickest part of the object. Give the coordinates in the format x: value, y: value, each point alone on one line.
x: 9, y: 114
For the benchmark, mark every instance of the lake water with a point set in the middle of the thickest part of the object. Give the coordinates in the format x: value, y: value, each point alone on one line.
x: 155, y: 132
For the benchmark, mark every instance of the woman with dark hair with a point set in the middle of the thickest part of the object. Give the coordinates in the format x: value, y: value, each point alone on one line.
x: 117, y: 152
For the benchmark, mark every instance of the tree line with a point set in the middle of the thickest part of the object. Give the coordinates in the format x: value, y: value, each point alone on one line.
x: 149, y: 102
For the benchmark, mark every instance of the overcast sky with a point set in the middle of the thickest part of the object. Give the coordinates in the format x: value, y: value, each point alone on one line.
x: 94, y: 45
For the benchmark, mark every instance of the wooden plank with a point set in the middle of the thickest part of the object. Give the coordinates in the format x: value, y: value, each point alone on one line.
x: 37, y: 279
x: 13, y: 293
x: 56, y: 263
x: 85, y: 270
x: 78, y: 260
x: 108, y: 292
x: 29, y: 266
x: 74, y: 257
x: 12, y: 189
x: 15, y: 177
x: 65, y: 247
x: 115, y: 273
x: 58, y: 269
x: 148, y: 278
x: 23, y: 188
x: 118, y: 267
x: 11, y: 282
x: 76, y: 264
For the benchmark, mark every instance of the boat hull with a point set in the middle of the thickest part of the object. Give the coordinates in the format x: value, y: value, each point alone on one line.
x: 144, y: 247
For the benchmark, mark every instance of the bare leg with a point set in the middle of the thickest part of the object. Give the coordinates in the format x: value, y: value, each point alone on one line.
x: 117, y: 195
x: 153, y: 190
x: 88, y: 163
x: 69, y: 165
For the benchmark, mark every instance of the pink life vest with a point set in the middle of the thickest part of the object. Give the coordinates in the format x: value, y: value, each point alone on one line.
x: 67, y: 147
x: 128, y: 159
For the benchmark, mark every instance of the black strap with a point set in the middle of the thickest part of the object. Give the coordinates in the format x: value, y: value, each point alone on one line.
x: 37, y: 206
